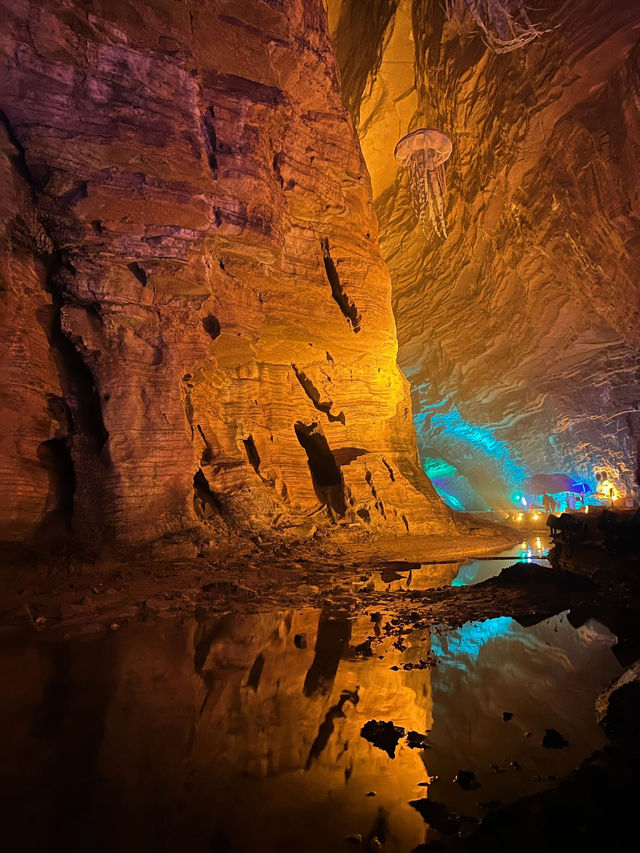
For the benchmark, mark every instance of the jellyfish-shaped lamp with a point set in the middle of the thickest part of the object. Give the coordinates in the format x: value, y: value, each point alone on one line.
x: 424, y: 153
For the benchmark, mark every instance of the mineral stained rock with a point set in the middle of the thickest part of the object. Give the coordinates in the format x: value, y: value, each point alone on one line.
x: 196, y: 317
x: 520, y: 332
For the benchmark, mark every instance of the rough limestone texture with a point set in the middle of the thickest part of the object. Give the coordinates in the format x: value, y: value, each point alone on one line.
x: 520, y: 333
x: 196, y: 317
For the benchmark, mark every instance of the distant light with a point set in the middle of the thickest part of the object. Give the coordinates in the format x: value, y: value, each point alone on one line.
x: 524, y: 501
x: 536, y: 516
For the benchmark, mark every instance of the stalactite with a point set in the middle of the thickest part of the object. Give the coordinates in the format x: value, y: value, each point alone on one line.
x: 505, y: 24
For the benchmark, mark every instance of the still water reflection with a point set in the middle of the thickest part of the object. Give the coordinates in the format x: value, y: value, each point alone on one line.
x: 241, y: 732
x: 532, y: 549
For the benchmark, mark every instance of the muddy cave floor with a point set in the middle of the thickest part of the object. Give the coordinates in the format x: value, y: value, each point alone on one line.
x: 400, y: 589
x: 68, y: 592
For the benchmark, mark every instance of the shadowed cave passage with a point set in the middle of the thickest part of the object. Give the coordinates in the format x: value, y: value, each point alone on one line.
x: 251, y: 450
x: 55, y: 455
x: 353, y: 317
x: 327, y: 478
x: 205, y: 502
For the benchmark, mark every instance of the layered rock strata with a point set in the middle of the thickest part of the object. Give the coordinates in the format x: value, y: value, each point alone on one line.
x: 197, y: 319
x: 519, y: 333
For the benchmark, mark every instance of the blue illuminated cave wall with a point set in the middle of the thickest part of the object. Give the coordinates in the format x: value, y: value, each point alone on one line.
x: 453, y: 487
x: 470, y: 467
x: 475, y: 466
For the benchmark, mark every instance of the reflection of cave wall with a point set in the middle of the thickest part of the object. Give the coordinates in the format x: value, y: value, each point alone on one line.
x: 519, y: 334
x: 225, y: 735
x: 189, y: 266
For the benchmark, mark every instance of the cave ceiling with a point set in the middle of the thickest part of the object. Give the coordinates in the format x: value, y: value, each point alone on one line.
x: 520, y: 332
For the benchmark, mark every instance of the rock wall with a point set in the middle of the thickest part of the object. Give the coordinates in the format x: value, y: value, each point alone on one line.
x: 519, y: 333
x: 196, y: 318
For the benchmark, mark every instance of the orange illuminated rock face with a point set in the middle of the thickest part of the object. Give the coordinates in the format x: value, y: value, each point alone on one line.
x: 192, y: 280
x: 520, y: 332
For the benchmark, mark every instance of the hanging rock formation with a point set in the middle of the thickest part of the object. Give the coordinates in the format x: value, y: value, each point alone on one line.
x: 196, y: 317
x: 520, y: 333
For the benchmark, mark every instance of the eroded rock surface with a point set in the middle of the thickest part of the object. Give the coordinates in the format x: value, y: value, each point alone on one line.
x: 192, y: 280
x: 519, y: 333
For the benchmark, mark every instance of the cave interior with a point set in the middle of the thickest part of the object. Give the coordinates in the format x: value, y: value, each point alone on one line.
x: 320, y: 394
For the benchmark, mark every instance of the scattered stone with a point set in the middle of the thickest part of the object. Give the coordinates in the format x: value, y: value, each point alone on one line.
x: 515, y: 765
x: 528, y: 734
x: 114, y: 626
x: 383, y: 735
x: 467, y: 780
x: 364, y: 650
x: 553, y: 740
x: 355, y: 839
x: 438, y: 816
x: 415, y: 740
x: 375, y: 843
x: 370, y: 794
x: 300, y: 641
x: 427, y: 663
x: 507, y: 715
x: 40, y: 620
x: 390, y: 575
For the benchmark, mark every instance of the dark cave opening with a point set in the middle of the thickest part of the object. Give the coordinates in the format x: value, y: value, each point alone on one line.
x: 206, y: 503
x: 76, y: 377
x: 139, y: 273
x: 55, y: 455
x: 325, y: 472
x: 252, y: 453
x: 211, y: 325
x: 210, y: 139
x: 314, y: 395
x: 345, y: 304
